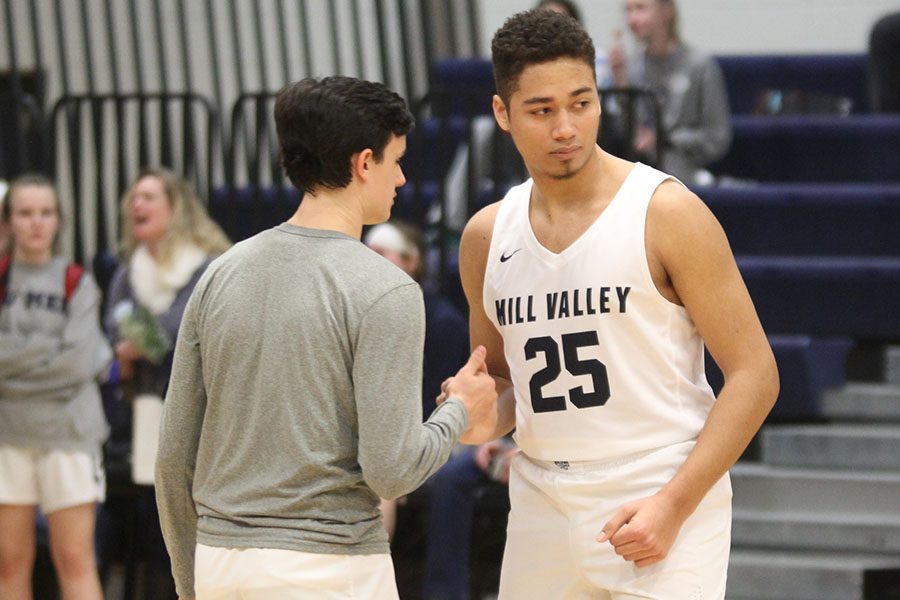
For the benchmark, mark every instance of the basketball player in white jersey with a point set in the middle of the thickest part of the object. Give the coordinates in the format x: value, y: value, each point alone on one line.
x: 594, y: 286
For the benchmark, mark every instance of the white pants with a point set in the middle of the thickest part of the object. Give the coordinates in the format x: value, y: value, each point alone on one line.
x: 272, y: 574
x: 557, y: 512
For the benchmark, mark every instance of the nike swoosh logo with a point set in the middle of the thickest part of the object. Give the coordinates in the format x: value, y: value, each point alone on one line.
x: 504, y: 257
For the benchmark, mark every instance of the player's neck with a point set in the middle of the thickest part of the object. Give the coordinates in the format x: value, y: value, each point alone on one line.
x: 332, y: 210
x: 35, y: 258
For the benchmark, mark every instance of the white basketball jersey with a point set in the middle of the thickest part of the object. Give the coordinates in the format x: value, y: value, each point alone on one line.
x: 602, y: 365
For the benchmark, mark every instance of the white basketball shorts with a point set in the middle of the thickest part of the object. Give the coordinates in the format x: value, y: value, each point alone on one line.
x: 558, y: 510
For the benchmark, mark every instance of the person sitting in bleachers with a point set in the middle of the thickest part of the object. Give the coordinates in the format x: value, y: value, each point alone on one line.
x: 454, y: 490
x: 884, y: 64
x: 688, y: 85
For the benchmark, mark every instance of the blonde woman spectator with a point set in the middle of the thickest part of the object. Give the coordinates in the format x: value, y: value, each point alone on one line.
x: 168, y: 240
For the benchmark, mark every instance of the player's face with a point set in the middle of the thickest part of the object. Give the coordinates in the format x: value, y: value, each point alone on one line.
x: 386, y: 176
x: 150, y: 210
x: 553, y: 117
x: 34, y: 220
x: 647, y: 19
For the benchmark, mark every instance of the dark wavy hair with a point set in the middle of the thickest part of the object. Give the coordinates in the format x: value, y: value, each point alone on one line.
x: 322, y: 123
x: 533, y: 37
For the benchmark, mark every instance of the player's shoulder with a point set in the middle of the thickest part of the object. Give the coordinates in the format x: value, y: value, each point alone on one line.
x: 672, y: 200
x: 478, y: 231
x: 475, y: 243
x: 678, y: 221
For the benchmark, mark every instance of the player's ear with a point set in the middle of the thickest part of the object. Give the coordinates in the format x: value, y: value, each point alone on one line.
x: 361, y: 164
x: 500, y: 113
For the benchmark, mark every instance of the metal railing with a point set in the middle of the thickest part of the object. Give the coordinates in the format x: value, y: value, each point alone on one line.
x: 221, y: 50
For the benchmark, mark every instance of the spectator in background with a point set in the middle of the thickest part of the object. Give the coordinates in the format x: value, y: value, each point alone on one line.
x: 453, y: 494
x: 453, y: 489
x: 446, y: 329
x: 884, y: 64
x: 4, y: 228
x: 52, y: 351
x: 689, y: 88
x: 566, y: 7
x: 168, y: 240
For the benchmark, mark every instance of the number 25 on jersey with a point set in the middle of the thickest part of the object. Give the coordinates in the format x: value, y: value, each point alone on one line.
x: 549, y: 347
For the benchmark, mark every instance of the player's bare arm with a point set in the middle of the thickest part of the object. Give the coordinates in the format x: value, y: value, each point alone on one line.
x: 692, y: 265
x: 473, y: 252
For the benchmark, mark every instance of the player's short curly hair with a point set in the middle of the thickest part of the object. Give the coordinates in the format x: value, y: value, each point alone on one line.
x: 533, y: 37
x: 322, y: 123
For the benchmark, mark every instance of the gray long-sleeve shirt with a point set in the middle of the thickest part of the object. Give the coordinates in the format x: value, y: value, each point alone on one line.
x: 695, y: 115
x: 295, y: 401
x: 51, y: 353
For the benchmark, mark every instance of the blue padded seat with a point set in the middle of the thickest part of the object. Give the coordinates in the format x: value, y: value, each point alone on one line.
x: 460, y: 73
x: 245, y: 211
x: 454, y: 72
x: 414, y: 201
x: 807, y: 366
x: 745, y: 76
x: 814, y: 148
x: 850, y: 219
x: 854, y: 297
x: 431, y: 146
x: 836, y: 74
x: 826, y: 296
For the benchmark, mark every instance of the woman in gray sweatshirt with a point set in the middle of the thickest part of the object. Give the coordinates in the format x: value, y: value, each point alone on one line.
x: 688, y: 85
x: 52, y: 426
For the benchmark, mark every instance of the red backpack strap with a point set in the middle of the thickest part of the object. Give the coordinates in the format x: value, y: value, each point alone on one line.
x: 73, y: 276
x: 5, y: 260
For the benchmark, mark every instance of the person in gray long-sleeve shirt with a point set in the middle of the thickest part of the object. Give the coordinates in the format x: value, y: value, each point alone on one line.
x: 295, y: 399
x: 689, y: 86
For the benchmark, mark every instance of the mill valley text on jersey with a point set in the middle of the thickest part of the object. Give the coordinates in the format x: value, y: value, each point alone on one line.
x: 562, y: 304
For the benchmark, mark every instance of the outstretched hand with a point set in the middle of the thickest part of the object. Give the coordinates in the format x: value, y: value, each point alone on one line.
x: 643, y: 531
